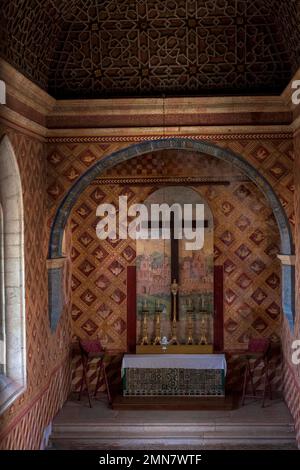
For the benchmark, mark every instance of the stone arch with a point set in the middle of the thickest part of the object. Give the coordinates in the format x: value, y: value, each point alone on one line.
x: 13, y: 374
x: 201, y: 147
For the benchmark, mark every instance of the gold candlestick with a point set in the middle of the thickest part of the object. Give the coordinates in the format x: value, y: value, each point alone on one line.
x: 157, y: 339
x: 190, y: 327
x: 174, y: 290
x: 203, y: 329
x: 145, y: 338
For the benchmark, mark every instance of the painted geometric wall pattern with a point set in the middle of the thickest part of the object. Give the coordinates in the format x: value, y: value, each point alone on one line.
x: 99, y: 269
x: 247, y: 246
x: 274, y: 159
x: 26, y: 432
x: 45, y: 351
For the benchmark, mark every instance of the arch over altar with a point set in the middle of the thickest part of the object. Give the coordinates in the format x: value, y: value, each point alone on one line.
x: 55, y: 263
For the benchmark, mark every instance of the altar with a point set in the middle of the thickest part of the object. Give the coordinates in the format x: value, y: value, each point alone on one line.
x: 174, y: 320
x: 192, y: 375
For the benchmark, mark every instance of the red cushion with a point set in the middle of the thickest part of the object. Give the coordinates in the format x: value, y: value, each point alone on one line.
x: 258, y: 345
x: 91, y: 346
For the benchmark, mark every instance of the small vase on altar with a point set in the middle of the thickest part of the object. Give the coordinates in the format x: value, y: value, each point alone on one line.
x: 164, y: 344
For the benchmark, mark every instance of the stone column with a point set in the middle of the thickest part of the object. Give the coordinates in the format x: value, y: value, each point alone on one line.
x: 55, y: 269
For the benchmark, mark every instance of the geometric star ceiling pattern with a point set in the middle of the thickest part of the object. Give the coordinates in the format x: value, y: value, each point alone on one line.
x: 88, y: 48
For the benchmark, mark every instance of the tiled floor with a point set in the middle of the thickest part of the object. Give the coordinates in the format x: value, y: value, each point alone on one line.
x: 250, y: 427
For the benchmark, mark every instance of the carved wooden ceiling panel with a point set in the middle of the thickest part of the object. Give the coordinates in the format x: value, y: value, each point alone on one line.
x: 90, y: 48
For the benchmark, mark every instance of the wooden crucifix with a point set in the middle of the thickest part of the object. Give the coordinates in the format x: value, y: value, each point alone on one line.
x: 175, y: 271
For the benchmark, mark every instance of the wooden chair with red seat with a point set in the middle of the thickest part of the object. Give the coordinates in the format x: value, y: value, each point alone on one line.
x: 259, y: 351
x: 92, y: 349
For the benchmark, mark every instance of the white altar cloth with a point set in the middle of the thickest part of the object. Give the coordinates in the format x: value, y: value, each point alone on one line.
x: 174, y: 361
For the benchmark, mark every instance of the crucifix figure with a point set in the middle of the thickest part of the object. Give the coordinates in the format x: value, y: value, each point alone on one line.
x: 175, y: 271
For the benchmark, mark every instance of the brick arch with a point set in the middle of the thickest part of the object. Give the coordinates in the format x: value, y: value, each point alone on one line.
x: 200, y: 147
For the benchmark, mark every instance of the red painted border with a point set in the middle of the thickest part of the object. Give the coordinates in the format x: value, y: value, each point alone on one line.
x: 218, y: 308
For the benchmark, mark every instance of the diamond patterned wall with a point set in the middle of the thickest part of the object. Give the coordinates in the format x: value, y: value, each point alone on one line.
x: 66, y: 162
x: 47, y: 354
x: 274, y: 159
x: 99, y: 269
x: 26, y: 432
x: 246, y: 243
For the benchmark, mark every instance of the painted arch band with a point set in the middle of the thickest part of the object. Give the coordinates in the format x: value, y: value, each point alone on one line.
x: 55, y: 264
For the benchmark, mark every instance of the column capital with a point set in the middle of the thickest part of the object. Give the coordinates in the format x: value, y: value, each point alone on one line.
x: 56, y: 263
x: 287, y: 260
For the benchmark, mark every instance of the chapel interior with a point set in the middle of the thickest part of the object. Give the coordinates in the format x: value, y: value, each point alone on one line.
x: 142, y: 343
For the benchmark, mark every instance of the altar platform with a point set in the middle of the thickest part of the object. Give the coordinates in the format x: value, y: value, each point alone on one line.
x: 229, y: 402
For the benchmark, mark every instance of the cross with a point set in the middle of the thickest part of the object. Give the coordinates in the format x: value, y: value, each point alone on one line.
x: 174, y: 254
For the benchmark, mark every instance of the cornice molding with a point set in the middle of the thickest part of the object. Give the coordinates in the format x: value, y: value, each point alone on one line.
x: 288, y: 92
x: 24, y: 90
x: 56, y: 263
x: 10, y: 118
x: 169, y: 106
x: 133, y: 136
x: 296, y: 125
x: 33, y: 97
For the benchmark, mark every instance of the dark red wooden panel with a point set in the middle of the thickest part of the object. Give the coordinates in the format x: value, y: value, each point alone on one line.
x: 218, y: 308
x: 131, y: 309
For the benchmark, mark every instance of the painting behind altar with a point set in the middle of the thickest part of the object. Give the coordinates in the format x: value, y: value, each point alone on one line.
x: 195, y: 276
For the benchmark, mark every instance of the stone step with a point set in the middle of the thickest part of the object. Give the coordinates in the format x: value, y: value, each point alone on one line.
x: 174, y: 433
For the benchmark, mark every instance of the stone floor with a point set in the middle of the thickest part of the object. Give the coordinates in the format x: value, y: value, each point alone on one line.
x: 250, y: 427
